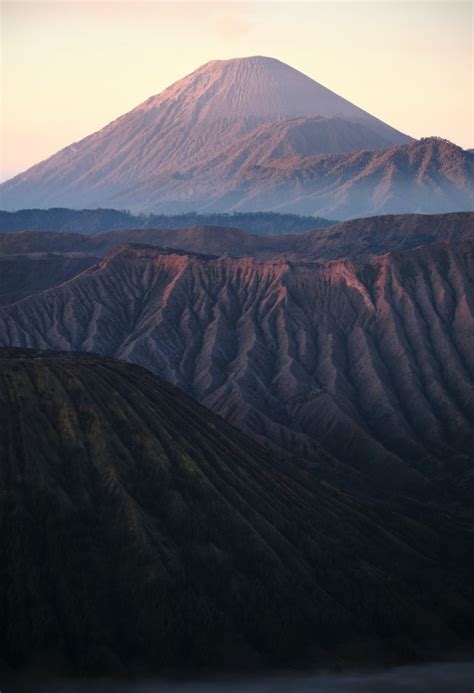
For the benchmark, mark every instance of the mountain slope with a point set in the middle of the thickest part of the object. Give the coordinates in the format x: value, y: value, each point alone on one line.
x: 139, y: 531
x: 362, y: 366
x: 257, y: 87
x: 195, y: 121
x: 430, y: 176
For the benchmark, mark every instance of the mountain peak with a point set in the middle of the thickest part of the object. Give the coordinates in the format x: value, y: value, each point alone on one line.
x: 258, y: 87
x: 153, y: 153
x: 251, y: 60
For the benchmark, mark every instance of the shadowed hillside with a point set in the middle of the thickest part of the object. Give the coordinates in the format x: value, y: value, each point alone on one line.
x: 138, y: 530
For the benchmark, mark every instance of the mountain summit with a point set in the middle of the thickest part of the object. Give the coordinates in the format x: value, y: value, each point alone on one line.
x: 151, y: 157
x: 261, y: 88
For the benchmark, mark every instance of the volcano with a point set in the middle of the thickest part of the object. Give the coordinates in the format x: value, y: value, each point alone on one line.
x: 151, y: 157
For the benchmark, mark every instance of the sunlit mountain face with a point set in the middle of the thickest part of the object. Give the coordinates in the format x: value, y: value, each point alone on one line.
x: 250, y: 134
x: 220, y: 121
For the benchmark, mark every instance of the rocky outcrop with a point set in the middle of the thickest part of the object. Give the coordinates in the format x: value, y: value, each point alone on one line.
x: 363, y: 366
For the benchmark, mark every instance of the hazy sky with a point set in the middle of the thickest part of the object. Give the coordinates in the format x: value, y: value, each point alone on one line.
x: 68, y: 68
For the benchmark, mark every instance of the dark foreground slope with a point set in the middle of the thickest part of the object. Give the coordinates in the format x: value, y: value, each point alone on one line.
x: 140, y: 530
x: 370, y: 360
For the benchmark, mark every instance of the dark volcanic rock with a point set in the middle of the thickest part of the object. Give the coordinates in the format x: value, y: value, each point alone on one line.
x: 140, y: 530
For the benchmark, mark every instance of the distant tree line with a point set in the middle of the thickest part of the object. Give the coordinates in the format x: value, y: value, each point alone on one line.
x: 90, y: 221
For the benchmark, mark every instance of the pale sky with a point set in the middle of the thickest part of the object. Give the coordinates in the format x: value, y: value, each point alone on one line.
x: 68, y: 68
